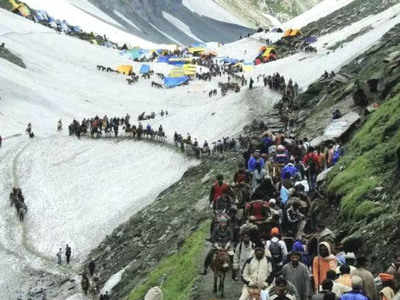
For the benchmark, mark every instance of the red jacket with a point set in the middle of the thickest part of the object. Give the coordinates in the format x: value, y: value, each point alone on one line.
x: 219, y: 190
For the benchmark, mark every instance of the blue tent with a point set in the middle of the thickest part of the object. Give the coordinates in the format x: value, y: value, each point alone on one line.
x: 170, y: 82
x: 163, y: 59
x: 310, y: 39
x: 229, y: 60
x: 144, y: 69
x: 135, y: 53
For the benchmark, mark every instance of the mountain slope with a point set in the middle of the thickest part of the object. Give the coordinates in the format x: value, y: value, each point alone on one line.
x: 259, y: 12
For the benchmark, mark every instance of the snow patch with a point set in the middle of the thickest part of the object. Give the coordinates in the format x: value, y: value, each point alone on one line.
x: 317, y: 12
x: 210, y: 9
x: 126, y: 20
x: 180, y: 25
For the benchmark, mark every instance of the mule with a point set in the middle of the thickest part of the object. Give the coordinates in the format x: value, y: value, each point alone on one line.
x: 220, y: 265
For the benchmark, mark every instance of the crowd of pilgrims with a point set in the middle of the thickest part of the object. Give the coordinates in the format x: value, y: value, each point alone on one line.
x: 277, y: 247
x: 106, y: 126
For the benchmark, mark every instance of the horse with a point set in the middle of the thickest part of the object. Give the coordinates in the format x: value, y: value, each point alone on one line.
x: 220, y: 265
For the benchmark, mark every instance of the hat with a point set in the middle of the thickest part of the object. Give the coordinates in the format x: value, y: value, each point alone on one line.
x: 274, y: 231
x: 386, y: 277
x: 272, y: 201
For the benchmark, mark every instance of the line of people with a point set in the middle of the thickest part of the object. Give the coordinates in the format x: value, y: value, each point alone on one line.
x: 264, y: 222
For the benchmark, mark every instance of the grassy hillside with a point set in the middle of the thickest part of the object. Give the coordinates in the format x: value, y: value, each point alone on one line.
x: 178, y: 270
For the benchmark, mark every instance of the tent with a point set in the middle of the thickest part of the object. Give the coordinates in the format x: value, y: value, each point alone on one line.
x: 310, y: 39
x: 125, y: 69
x: 163, y: 59
x: 135, y: 53
x: 196, y: 50
x: 181, y: 59
x: 94, y: 42
x: 228, y: 60
x: 21, y: 9
x: 177, y: 72
x: 144, y: 69
x: 190, y: 70
x: 171, y: 82
x: 209, y: 53
x: 292, y: 33
x: 40, y: 15
x: 246, y: 67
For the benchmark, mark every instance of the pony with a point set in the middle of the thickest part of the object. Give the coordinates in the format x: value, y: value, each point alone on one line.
x: 220, y: 265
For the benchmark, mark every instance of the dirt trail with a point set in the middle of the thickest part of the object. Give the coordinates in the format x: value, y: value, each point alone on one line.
x: 204, y: 285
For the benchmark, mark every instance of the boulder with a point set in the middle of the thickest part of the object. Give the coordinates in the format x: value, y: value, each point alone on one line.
x: 337, y: 128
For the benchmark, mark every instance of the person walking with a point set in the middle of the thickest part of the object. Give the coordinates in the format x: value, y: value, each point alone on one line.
x: 357, y: 292
x: 68, y: 253
x: 59, y: 255
x: 297, y: 273
x: 92, y: 267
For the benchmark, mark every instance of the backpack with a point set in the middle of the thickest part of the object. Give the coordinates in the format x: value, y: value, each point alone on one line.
x: 276, y: 252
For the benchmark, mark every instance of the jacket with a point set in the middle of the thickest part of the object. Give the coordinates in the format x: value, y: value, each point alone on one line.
x: 217, y: 191
x: 368, y: 283
x: 321, y: 265
x: 257, y: 272
x: 354, y: 295
x: 242, y: 254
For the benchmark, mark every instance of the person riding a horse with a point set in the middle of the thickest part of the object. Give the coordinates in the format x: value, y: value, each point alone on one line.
x: 257, y: 272
x: 221, y: 239
x: 218, y: 190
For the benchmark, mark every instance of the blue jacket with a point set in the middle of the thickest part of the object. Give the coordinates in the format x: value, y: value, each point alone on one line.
x: 354, y: 295
x: 251, y: 165
x: 289, y: 171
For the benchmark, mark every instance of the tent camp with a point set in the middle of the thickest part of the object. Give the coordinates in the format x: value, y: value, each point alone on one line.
x: 125, y: 69
x: 171, y: 82
x: 292, y: 33
x: 144, y: 69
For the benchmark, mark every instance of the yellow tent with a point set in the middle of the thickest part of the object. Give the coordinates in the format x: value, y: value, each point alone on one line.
x: 125, y: 69
x: 292, y: 33
x: 21, y: 8
x: 268, y: 51
x: 177, y: 72
x: 94, y: 42
x: 190, y: 70
x: 194, y: 50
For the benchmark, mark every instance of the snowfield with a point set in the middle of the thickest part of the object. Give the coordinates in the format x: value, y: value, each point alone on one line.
x: 211, y: 9
x: 78, y: 191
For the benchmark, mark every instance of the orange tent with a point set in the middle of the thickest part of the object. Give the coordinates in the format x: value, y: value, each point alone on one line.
x: 291, y: 33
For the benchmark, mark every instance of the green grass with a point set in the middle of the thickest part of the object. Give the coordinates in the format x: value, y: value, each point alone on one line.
x: 179, y: 270
x: 370, y: 162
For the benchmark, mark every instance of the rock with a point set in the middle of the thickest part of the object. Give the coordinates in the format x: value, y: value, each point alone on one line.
x: 337, y: 128
x: 323, y: 175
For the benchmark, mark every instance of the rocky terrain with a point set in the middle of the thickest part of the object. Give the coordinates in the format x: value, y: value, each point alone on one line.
x: 341, y: 18
x: 151, y: 24
x: 253, y: 11
x: 11, y: 57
